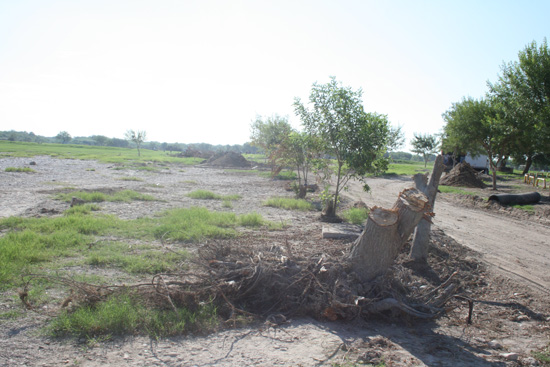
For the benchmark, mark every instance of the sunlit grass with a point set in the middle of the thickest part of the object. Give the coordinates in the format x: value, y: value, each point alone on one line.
x: 209, y: 195
x: 355, y: 215
x: 408, y: 169
x: 98, y: 197
x: 125, y: 314
x: 289, y: 203
x: 455, y: 190
x: 19, y: 169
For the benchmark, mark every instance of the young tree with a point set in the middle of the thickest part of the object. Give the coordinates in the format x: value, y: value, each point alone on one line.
x: 477, y: 126
x: 425, y: 145
x: 64, y: 136
x: 357, y: 140
x: 302, y: 152
x: 270, y: 134
x: 137, y: 137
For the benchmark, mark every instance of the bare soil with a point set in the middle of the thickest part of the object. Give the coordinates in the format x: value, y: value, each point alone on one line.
x: 501, y: 253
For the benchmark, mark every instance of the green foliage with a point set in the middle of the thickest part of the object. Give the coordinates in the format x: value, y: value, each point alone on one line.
x: 64, y: 137
x: 477, y: 126
x: 98, y: 197
x: 356, y: 139
x: 125, y: 314
x: 527, y: 208
x: 209, y: 195
x: 523, y: 94
x: 19, y: 169
x: 424, y: 144
x: 271, y: 134
x: 289, y: 203
x: 355, y: 215
x: 283, y: 175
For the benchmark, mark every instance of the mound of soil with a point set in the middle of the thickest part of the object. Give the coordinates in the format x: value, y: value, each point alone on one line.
x: 462, y: 175
x: 229, y: 159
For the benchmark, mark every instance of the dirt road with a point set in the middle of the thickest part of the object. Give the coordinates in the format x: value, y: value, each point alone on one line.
x: 519, y: 248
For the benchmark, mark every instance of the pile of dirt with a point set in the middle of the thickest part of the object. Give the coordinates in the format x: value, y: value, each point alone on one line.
x: 229, y: 159
x: 463, y: 175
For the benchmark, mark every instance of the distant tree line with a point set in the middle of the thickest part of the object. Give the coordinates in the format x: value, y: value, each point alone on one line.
x: 101, y: 140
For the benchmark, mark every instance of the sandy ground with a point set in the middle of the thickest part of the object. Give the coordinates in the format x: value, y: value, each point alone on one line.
x: 514, y: 247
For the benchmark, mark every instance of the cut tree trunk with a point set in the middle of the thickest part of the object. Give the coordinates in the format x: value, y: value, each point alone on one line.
x: 385, y: 233
x: 421, y: 240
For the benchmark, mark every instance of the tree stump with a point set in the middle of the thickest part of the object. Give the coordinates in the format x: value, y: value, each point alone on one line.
x: 386, y: 231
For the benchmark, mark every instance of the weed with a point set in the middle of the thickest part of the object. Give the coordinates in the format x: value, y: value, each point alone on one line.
x: 209, y: 195
x: 454, y: 190
x: 20, y: 169
x: 289, y: 203
x: 251, y: 220
x: 98, y: 197
x: 125, y: 314
x: 355, y: 215
x: 130, y: 178
x: 527, y: 208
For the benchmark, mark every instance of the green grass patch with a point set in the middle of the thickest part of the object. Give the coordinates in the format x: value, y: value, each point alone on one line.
x: 34, y: 244
x: 528, y: 208
x: 127, y: 157
x: 355, y: 215
x: 251, y: 220
x: 98, y: 197
x: 454, y: 190
x: 289, y: 203
x: 124, y: 314
x: 130, y: 178
x: 209, y: 195
x: 283, y: 175
x: 408, y: 169
x: 132, y: 259
x: 19, y: 169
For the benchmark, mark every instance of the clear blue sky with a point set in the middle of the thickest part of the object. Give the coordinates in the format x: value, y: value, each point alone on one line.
x: 200, y: 71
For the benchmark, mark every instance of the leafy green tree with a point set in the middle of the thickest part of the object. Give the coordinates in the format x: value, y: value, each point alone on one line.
x: 425, y: 145
x: 477, y: 126
x: 271, y: 134
x: 523, y: 93
x: 64, y: 137
x: 355, y: 139
x: 137, y: 137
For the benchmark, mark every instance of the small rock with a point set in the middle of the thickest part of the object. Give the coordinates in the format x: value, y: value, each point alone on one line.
x: 530, y: 361
x: 522, y: 318
x: 33, y: 163
x: 126, y: 356
x: 510, y: 356
x: 494, y: 344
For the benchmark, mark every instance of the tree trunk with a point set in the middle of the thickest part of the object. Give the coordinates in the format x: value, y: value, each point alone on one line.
x: 386, y: 231
x: 421, y: 240
x: 528, y: 163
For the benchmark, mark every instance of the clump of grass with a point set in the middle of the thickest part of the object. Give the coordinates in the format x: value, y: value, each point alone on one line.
x: 283, y: 175
x: 82, y: 209
x: 209, y: 195
x: 132, y: 259
x: 130, y: 178
x: 289, y: 203
x: 251, y: 220
x: 355, y: 215
x: 98, y: 197
x: 528, y: 208
x: 19, y: 169
x: 454, y: 190
x: 227, y: 204
x: 124, y: 314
